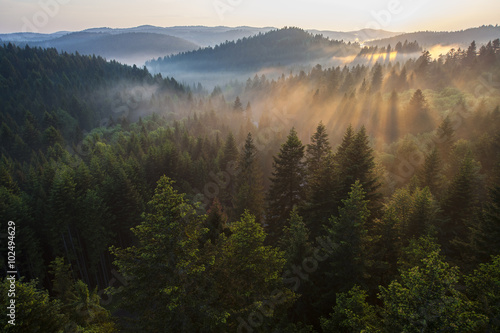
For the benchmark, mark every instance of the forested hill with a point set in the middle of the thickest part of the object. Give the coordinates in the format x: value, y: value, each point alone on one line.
x: 275, y: 48
x: 47, y: 97
x: 430, y: 38
x: 131, y: 47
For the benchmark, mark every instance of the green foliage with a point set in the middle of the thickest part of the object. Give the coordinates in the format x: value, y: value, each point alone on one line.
x: 285, y: 46
x: 248, y: 274
x: 286, y: 191
x: 81, y: 307
x: 295, y: 240
x: 416, y: 251
x: 73, y: 194
x: 347, y: 263
x: 352, y: 314
x: 348, y: 230
x: 249, y: 188
x: 425, y: 299
x: 430, y: 175
x: 355, y: 162
x: 34, y: 310
x: 483, y: 287
x: 168, y: 248
x: 216, y: 222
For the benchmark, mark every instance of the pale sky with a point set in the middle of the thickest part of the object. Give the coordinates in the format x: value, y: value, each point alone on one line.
x: 48, y: 16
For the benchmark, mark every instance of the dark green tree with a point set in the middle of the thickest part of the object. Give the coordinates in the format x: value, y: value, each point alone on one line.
x: 352, y: 313
x: 295, y: 240
x: 483, y: 287
x: 459, y: 205
x: 35, y: 311
x: 355, y: 162
x: 167, y: 248
x: 316, y: 154
x: 287, y: 184
x: 425, y: 299
x: 247, y: 276
x: 348, y: 262
x: 216, y: 222
x: 249, y: 187
x: 430, y: 175
x: 228, y: 161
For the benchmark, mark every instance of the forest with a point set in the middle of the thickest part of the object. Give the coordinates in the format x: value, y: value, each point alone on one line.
x: 339, y: 199
x: 285, y: 46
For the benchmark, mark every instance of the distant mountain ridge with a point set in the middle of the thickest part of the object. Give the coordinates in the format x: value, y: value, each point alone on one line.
x: 130, y: 47
x: 361, y: 36
x: 481, y: 35
x: 137, y: 45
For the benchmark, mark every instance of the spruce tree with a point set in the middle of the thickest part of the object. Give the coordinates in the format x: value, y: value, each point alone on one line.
x: 316, y: 154
x: 320, y: 181
x: 348, y: 230
x: 354, y: 161
x: 348, y: 261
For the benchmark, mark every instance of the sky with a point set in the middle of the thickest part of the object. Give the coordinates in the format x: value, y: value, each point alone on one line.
x: 47, y: 16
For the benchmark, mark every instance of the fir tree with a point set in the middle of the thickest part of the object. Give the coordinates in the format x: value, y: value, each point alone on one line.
x: 287, y: 184
x: 354, y: 161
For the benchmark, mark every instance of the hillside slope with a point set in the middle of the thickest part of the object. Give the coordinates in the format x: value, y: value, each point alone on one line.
x: 430, y: 38
x: 276, y: 48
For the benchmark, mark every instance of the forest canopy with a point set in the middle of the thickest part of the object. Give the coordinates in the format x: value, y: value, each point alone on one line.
x: 340, y: 199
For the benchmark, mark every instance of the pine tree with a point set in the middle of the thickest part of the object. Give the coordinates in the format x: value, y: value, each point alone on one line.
x: 287, y: 184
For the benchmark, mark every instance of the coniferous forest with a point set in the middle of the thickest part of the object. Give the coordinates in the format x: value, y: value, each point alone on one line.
x: 360, y: 198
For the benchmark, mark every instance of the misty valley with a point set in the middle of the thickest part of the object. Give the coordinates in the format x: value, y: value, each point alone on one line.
x: 215, y: 179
